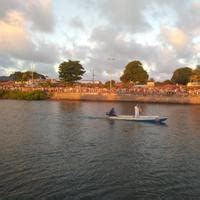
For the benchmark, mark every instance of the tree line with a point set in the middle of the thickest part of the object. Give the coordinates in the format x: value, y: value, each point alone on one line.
x: 134, y: 72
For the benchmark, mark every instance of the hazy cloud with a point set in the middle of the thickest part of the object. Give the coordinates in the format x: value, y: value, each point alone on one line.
x: 189, y: 18
x: 76, y: 22
x: 38, y: 13
x: 8, y: 5
x: 16, y: 41
x: 126, y: 14
x: 163, y: 35
x: 174, y: 43
x: 174, y: 36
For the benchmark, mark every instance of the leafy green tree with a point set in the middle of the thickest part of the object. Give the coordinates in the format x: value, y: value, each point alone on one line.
x: 182, y: 75
x: 195, y: 77
x: 16, y: 76
x: 134, y: 72
x: 25, y: 76
x: 71, y: 71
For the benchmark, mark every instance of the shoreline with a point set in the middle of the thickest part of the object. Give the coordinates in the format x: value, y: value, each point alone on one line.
x: 100, y: 97
x: 112, y: 97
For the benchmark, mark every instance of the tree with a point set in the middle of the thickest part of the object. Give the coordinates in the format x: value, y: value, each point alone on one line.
x: 134, y: 72
x: 16, y: 76
x: 195, y: 77
x: 71, y: 71
x: 25, y: 76
x: 182, y: 75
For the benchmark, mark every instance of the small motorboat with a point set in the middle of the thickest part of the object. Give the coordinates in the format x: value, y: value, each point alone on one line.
x: 155, y: 119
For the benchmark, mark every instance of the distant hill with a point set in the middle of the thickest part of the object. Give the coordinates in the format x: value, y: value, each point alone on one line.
x: 5, y: 78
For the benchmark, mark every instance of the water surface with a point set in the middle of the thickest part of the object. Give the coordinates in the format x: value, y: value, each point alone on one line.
x: 68, y: 150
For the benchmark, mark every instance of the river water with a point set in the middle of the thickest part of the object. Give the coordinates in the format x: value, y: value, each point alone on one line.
x: 68, y: 150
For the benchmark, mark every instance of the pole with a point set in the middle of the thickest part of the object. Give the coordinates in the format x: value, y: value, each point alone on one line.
x: 112, y: 59
x: 32, y: 70
x: 110, y: 84
x: 32, y: 75
x: 93, y: 76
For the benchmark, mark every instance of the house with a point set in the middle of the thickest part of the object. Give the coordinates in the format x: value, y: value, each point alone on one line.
x: 193, y: 84
x: 150, y: 84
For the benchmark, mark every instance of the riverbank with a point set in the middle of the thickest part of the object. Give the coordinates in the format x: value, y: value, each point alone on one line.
x: 125, y: 97
x: 23, y: 95
x: 112, y: 97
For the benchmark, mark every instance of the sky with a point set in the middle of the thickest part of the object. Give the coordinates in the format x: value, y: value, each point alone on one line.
x: 104, y: 35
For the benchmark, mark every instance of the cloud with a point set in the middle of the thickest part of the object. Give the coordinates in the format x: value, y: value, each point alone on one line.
x: 8, y: 62
x: 13, y: 36
x: 76, y: 23
x: 125, y: 18
x: 8, y: 5
x: 160, y: 34
x: 38, y: 13
x: 174, y: 36
x: 159, y: 60
x: 189, y: 18
x: 126, y: 14
x: 16, y: 41
x: 46, y: 69
x: 19, y: 47
x: 114, y: 36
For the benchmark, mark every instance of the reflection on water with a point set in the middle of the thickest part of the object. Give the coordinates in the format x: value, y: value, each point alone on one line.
x: 69, y: 150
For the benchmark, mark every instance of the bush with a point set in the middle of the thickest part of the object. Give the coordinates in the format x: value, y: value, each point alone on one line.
x: 34, y: 95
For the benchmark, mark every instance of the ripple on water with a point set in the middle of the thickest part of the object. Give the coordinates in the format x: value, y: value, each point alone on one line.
x: 67, y: 150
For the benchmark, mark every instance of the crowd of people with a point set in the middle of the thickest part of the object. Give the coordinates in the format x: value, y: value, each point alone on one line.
x: 166, y: 90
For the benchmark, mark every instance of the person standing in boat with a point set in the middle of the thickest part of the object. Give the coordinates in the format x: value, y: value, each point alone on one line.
x: 137, y: 111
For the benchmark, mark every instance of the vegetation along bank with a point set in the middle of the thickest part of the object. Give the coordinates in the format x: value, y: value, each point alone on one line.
x: 22, y: 95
